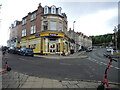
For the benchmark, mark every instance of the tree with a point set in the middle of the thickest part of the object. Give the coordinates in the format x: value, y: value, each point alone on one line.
x: 108, y: 38
x: 102, y: 39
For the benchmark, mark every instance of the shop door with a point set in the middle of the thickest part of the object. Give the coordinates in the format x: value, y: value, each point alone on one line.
x: 52, y: 47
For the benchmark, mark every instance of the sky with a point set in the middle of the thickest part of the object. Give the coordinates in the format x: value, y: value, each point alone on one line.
x: 93, y: 17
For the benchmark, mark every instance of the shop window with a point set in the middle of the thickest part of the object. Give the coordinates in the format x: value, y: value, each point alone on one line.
x: 33, y: 46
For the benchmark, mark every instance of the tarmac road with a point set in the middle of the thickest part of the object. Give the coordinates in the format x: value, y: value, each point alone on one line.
x: 89, y: 68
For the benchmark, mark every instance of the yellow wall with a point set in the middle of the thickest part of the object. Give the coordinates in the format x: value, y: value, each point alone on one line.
x: 39, y: 43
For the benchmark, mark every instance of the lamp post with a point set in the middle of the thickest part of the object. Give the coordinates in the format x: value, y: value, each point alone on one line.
x: 74, y: 36
x: 115, y: 32
x: 73, y: 25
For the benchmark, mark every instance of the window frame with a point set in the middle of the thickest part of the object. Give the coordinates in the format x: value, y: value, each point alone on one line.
x: 33, y: 16
x: 24, y: 21
x: 53, y: 10
x: 33, y: 29
x: 24, y: 32
x: 46, y: 10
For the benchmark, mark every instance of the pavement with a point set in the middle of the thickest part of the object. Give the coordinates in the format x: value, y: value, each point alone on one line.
x: 14, y: 79
x: 75, y: 55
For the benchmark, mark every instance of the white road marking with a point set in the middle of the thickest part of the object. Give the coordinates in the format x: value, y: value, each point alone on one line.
x: 65, y: 64
x: 21, y: 59
x: 26, y: 60
x: 101, y: 63
x: 116, y: 68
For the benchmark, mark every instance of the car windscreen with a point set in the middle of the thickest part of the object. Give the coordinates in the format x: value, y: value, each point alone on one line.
x: 28, y: 49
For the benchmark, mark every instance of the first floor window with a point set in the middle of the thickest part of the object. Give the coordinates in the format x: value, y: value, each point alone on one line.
x: 53, y: 25
x: 33, y: 29
x: 45, y: 25
x: 23, y: 32
x: 60, y: 26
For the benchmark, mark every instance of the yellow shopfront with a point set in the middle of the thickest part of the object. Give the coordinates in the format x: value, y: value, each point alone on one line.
x: 53, y: 43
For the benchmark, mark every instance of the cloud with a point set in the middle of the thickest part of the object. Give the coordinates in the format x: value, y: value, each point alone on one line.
x: 97, y: 23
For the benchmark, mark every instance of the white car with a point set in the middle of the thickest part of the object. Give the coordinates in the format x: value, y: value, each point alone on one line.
x: 109, y: 49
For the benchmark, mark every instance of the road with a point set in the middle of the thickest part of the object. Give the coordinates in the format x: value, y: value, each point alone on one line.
x: 91, y: 68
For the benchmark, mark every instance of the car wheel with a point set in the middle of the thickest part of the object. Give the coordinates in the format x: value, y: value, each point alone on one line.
x: 24, y: 54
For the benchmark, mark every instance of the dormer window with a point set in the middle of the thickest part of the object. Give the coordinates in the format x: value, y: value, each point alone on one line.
x: 46, y: 10
x: 59, y: 10
x: 24, y: 21
x: 53, y: 10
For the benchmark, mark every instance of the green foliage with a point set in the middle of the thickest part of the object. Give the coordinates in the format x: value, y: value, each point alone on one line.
x: 102, y: 40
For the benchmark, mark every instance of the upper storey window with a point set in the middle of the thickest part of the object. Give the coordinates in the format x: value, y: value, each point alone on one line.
x: 23, y: 32
x: 33, y: 16
x: 24, y: 21
x: 46, y: 10
x: 59, y: 10
x: 53, y: 10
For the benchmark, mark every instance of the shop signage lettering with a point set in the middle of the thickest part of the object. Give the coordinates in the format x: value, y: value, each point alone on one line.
x: 52, y: 34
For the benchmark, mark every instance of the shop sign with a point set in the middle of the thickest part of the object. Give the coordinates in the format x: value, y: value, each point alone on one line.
x: 53, y: 34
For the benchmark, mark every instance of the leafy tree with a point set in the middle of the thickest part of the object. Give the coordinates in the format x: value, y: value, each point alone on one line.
x: 108, y: 38
x: 102, y: 39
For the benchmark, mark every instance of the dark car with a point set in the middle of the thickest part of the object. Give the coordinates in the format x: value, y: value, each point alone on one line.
x: 11, y: 50
x: 26, y: 51
x: 17, y: 50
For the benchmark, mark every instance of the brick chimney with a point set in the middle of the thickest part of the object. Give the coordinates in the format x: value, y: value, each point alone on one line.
x: 39, y: 5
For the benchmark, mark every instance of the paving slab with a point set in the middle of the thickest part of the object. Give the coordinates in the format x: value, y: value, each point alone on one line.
x: 26, y: 81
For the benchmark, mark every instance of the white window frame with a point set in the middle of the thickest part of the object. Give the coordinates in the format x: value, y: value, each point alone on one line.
x: 59, y: 10
x: 46, y: 10
x: 53, y: 10
x: 53, y: 25
x: 24, y: 21
x: 33, y: 29
x: 60, y: 26
x: 23, y: 32
x: 33, y: 16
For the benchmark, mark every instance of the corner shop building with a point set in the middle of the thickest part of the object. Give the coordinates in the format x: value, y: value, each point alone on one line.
x: 46, y: 43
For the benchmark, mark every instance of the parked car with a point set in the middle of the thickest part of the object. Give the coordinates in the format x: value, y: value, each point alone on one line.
x: 109, y: 49
x: 11, y: 50
x: 26, y: 51
x: 17, y: 50
x: 89, y: 49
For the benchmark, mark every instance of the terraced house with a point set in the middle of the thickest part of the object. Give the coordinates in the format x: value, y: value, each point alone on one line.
x: 44, y: 30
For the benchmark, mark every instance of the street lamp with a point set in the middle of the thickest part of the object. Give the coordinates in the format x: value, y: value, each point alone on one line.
x: 115, y: 32
x: 74, y: 36
x: 73, y: 25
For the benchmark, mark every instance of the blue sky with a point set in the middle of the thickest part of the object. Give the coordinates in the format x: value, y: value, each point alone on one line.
x: 92, y: 18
